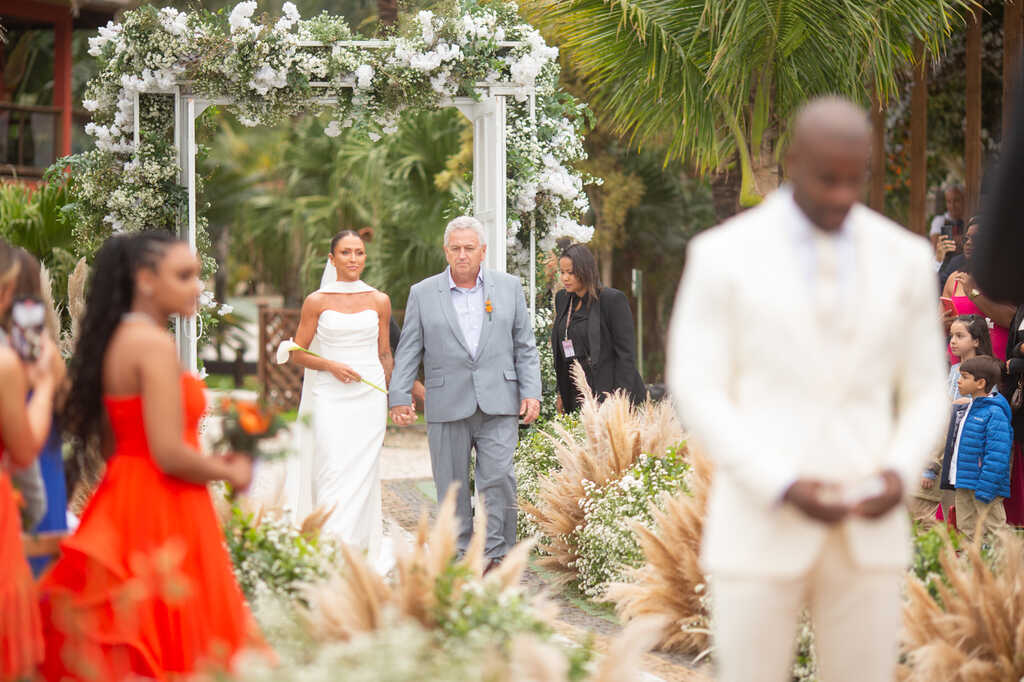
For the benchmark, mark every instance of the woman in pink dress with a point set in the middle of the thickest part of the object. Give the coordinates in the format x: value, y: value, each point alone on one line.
x: 968, y: 299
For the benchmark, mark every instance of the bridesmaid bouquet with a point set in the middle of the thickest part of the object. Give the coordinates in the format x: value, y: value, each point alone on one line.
x: 251, y: 429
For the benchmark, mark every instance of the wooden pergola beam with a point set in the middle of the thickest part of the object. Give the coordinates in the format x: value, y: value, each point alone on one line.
x: 972, y: 101
x: 918, y: 143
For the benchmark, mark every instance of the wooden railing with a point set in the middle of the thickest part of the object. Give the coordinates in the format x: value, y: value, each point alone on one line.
x: 282, y: 384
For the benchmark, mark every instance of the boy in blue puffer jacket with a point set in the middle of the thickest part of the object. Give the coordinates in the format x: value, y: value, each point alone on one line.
x: 979, y: 465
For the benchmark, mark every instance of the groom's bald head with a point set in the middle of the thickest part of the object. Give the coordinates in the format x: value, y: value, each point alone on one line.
x: 827, y: 159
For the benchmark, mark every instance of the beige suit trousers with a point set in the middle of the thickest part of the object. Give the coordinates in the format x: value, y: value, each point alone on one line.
x: 855, y: 614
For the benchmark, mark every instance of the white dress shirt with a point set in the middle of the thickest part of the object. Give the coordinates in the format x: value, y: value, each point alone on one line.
x: 469, y: 308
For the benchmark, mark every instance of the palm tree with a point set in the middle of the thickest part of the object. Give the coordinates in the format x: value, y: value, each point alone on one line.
x: 710, y: 82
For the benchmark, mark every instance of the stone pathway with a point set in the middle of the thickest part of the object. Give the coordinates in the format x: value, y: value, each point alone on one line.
x: 408, y: 493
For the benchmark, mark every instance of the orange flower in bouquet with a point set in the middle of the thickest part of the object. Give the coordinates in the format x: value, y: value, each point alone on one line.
x: 252, y: 420
x: 249, y: 428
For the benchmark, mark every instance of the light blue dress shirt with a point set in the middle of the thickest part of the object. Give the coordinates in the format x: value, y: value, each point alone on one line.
x: 469, y: 308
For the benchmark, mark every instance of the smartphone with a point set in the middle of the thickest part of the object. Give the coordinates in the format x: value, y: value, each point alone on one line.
x: 28, y: 323
x: 947, y: 305
x: 947, y: 229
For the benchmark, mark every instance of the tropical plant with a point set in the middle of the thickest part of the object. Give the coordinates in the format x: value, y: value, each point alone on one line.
x: 33, y: 218
x: 712, y: 82
x: 414, y: 209
x: 287, y: 190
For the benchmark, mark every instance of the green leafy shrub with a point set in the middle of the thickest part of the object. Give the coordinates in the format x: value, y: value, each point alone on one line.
x: 928, y: 546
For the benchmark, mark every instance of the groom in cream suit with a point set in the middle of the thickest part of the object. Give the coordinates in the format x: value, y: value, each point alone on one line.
x: 470, y: 328
x: 806, y: 360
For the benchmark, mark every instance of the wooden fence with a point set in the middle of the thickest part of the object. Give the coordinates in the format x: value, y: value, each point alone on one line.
x: 282, y: 384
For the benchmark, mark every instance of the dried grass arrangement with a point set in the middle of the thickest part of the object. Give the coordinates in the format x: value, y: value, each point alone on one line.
x: 671, y: 584
x: 356, y: 599
x: 615, y: 435
x: 975, y: 629
x: 346, y: 626
x: 77, y: 284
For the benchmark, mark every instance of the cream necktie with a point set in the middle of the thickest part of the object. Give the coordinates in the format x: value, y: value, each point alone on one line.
x: 827, y: 281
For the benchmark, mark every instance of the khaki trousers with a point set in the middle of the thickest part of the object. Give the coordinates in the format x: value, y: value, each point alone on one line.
x: 923, y: 509
x: 855, y: 614
x: 970, y: 511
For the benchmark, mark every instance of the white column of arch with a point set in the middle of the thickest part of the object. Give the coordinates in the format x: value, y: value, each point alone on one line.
x: 489, y: 174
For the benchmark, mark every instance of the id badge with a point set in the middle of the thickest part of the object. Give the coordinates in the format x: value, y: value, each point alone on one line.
x: 567, y: 349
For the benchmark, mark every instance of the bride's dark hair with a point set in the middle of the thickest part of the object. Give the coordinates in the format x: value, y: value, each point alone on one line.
x: 111, y: 291
x: 345, y: 233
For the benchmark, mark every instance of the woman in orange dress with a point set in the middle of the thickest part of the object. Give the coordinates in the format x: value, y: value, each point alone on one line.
x: 23, y: 430
x: 144, y: 588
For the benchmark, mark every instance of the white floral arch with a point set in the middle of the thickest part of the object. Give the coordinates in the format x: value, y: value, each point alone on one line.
x: 160, y: 69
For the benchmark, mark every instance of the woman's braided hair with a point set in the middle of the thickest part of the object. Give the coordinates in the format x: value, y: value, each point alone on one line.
x: 110, y: 295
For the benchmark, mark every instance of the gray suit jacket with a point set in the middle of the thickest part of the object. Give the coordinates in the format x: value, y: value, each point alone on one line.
x: 505, y: 371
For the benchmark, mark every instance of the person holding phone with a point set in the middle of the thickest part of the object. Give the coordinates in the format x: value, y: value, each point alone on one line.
x: 968, y: 299
x: 950, y: 223
x: 24, y: 423
x: 30, y: 322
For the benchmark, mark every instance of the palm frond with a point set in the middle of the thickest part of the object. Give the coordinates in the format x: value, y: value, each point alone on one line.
x: 683, y: 76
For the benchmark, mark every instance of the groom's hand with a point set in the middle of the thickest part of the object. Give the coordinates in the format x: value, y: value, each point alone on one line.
x: 890, y: 496
x: 403, y: 415
x: 819, y: 500
x: 529, y: 410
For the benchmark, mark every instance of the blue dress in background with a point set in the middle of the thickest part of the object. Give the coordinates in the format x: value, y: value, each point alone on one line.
x: 51, y: 465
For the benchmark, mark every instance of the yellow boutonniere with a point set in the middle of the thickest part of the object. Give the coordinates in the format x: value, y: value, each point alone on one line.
x: 489, y: 308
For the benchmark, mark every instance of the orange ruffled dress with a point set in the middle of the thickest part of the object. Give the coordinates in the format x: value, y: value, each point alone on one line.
x: 21, y: 641
x: 145, y: 586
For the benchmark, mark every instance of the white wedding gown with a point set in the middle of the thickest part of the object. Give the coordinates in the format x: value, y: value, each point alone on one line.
x: 338, y: 439
x: 348, y: 421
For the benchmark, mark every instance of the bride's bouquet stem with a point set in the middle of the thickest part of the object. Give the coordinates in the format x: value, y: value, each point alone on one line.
x: 287, y: 346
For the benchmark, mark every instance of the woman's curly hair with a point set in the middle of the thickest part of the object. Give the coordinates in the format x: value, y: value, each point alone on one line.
x: 110, y: 294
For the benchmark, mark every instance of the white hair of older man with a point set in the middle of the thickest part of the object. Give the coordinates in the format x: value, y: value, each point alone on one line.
x: 465, y: 222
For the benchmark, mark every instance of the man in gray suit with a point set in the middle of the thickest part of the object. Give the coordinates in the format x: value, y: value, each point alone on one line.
x: 471, y: 329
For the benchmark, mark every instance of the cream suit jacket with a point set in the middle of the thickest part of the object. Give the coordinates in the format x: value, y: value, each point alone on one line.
x: 769, y: 401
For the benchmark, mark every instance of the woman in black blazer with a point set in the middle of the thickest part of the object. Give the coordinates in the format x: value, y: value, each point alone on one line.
x: 593, y: 325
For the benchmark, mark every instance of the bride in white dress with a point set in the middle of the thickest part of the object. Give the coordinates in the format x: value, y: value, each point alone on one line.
x: 337, y: 464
